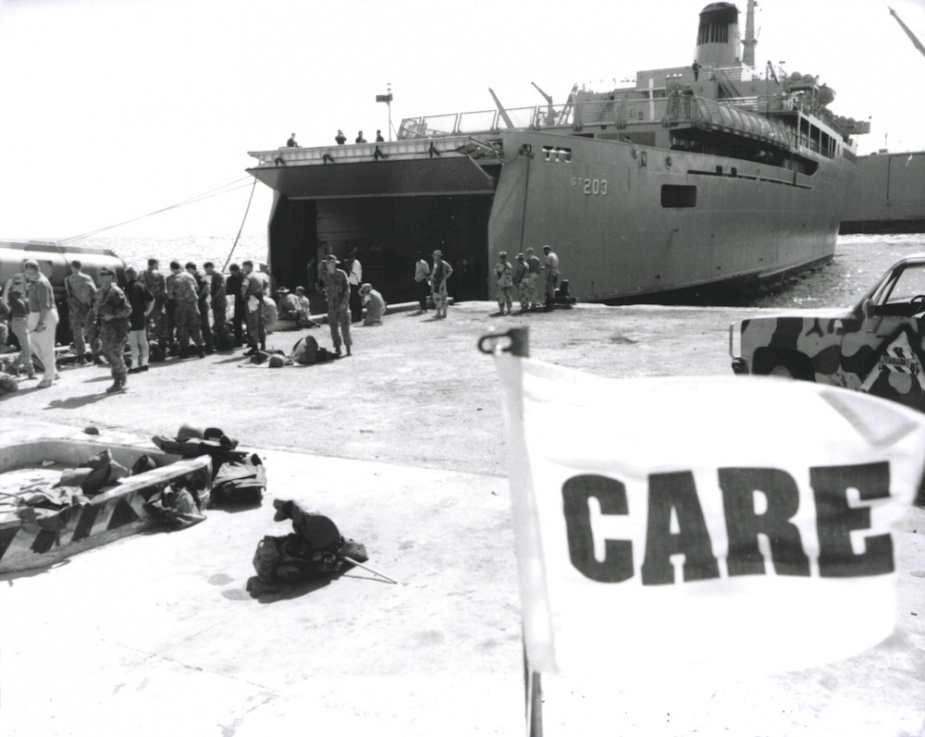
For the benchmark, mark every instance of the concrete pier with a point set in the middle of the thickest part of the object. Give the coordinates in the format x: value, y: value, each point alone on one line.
x: 402, y: 446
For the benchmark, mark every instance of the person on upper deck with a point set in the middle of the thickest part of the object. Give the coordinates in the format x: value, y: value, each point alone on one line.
x: 359, y: 138
x: 291, y: 143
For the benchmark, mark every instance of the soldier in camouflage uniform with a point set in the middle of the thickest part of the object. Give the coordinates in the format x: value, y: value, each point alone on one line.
x: 252, y: 289
x: 114, y: 310
x: 337, y: 291
x: 183, y: 291
x: 80, y: 291
x: 92, y: 329
x: 157, y: 320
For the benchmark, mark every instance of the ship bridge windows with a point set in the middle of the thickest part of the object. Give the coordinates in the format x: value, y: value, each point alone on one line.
x: 558, y: 154
x: 679, y: 195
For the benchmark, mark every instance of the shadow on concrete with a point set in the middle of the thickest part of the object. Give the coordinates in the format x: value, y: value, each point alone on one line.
x: 11, y: 576
x: 233, y: 507
x: 268, y: 593
x: 74, y: 402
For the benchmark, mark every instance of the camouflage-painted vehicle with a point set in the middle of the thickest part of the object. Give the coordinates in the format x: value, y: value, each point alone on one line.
x: 878, y: 346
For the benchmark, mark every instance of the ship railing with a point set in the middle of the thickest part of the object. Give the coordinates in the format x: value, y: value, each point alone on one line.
x: 620, y: 112
x: 484, y: 122
x: 357, y: 152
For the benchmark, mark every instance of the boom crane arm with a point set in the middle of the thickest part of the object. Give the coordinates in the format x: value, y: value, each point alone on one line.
x: 909, y: 33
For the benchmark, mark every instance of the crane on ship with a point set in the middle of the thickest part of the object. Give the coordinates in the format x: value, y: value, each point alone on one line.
x: 908, y: 31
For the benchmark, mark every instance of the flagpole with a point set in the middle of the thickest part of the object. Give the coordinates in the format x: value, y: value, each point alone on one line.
x: 516, y: 341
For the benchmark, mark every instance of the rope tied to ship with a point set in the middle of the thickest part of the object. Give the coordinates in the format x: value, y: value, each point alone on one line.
x: 243, y: 220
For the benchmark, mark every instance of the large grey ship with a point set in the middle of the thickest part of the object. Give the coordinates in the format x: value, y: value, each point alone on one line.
x: 696, y: 175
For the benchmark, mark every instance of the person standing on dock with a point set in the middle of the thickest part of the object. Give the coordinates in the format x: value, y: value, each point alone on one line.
x: 504, y: 280
x: 80, y: 290
x: 203, y: 304
x: 337, y: 291
x: 354, y: 270
x: 552, y: 275
x: 234, y: 285
x: 14, y: 296
x: 219, y: 304
x: 43, y: 320
x: 142, y: 302
x: 441, y: 272
x: 154, y: 282
x: 421, y: 280
x: 183, y: 292
x: 521, y: 282
x: 252, y: 290
x: 114, y: 312
x: 534, y: 266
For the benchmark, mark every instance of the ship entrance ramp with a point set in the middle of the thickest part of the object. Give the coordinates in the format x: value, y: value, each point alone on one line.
x: 386, y: 201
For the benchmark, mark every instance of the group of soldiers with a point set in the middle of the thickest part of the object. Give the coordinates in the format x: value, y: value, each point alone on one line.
x: 524, y: 275
x: 154, y: 314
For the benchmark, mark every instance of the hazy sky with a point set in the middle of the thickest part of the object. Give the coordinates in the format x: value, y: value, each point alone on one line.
x: 115, y: 108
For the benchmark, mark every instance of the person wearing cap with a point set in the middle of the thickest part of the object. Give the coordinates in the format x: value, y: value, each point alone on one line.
x: 154, y: 282
x: 252, y: 289
x: 504, y: 276
x: 287, y: 304
x: 203, y: 304
x: 183, y: 293
x: 114, y: 312
x: 521, y: 282
x: 374, y: 303
x: 421, y: 281
x: 42, y: 321
x: 337, y: 292
x: 551, y: 266
x: 80, y: 290
x: 440, y: 273
x: 534, y: 267
x: 141, y: 302
x: 15, y: 298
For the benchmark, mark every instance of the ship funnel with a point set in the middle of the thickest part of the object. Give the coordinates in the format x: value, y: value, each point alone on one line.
x: 718, y: 39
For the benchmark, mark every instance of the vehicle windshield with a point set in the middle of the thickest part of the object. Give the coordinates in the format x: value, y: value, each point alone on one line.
x: 908, y: 283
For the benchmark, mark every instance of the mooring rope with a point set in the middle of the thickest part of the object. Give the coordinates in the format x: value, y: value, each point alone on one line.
x: 243, y: 220
x: 224, y: 189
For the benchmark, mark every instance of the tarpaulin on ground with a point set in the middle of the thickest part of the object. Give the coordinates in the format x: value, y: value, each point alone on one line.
x: 735, y: 525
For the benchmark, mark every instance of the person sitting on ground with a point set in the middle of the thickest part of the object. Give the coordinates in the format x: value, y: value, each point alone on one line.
x: 374, y: 304
x: 305, y: 309
x: 287, y: 305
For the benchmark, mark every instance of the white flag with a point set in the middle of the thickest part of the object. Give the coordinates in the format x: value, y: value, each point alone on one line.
x: 735, y: 524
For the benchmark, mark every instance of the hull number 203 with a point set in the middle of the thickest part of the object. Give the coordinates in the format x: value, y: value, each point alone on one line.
x: 590, y: 186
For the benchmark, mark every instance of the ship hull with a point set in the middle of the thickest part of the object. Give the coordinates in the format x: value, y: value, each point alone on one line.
x: 888, y: 195
x: 629, y: 222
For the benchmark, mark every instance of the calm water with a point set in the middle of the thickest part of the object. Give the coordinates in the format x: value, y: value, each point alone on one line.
x: 859, y: 260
